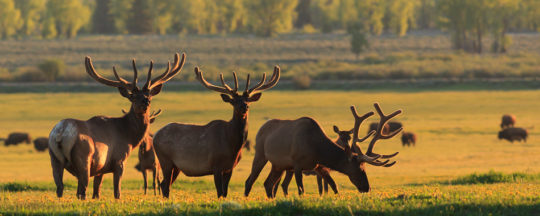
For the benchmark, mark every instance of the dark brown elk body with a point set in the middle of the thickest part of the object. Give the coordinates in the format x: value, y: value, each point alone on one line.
x: 408, y: 139
x: 102, y: 144
x: 16, y: 138
x: 343, y: 140
x: 513, y: 134
x: 302, y: 145
x: 214, y: 148
x: 508, y: 120
x: 41, y: 144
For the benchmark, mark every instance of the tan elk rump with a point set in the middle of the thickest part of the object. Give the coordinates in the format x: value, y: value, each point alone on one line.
x: 214, y: 148
x: 102, y: 144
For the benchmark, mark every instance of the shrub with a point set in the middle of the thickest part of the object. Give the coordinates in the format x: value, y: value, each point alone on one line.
x: 29, y: 74
x: 302, y: 81
x: 52, y: 69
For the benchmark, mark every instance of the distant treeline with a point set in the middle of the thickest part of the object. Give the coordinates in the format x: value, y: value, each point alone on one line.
x: 468, y: 21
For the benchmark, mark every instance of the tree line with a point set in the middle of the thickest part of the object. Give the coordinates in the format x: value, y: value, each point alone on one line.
x: 468, y: 21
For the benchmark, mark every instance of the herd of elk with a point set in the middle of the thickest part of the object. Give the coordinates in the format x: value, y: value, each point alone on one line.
x: 214, y: 148
x: 301, y: 144
x: 102, y: 144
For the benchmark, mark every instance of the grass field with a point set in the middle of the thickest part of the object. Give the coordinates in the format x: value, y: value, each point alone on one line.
x: 457, y: 133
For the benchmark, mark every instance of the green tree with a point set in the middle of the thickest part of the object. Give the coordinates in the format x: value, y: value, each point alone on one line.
x: 10, y: 18
x: 141, y: 17
x: 304, y: 13
x: 371, y: 13
x: 324, y: 14
x: 359, y: 40
x: 400, y: 14
x: 190, y: 16
x: 67, y: 16
x: 102, y: 18
x: 119, y: 9
x: 52, y: 68
x: 502, y: 14
x: 270, y: 17
x: 31, y: 13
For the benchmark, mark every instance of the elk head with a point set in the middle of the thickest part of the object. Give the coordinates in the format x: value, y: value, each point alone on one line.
x: 240, y: 102
x: 140, y: 98
x: 343, y: 136
x: 357, y: 172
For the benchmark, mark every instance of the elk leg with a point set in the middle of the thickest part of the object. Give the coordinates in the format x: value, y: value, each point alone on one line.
x: 325, y: 186
x: 329, y: 181
x: 276, y: 186
x: 298, y: 176
x: 176, y: 172
x: 286, y: 182
x: 97, y: 185
x: 158, y: 182
x: 117, y: 176
x: 271, y: 182
x: 319, y: 184
x: 145, y: 178
x: 83, y: 175
x: 167, y: 169
x: 154, y: 170
x: 58, y: 175
x: 226, y: 179
x: 218, y: 182
x: 258, y: 164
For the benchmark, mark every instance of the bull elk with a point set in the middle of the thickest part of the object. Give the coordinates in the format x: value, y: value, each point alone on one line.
x: 102, y: 144
x: 212, y: 149
x: 343, y: 140
x: 301, y: 144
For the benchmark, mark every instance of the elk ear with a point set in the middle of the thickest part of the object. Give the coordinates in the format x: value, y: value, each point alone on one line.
x: 156, y: 90
x: 152, y: 120
x: 226, y: 98
x: 255, y: 97
x: 124, y: 92
x: 336, y: 129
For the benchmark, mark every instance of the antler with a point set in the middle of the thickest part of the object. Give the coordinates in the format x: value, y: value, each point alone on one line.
x: 379, y: 135
x: 119, y: 83
x: 261, y: 86
x: 155, y: 114
x: 225, y: 89
x: 357, y: 122
x: 168, y: 74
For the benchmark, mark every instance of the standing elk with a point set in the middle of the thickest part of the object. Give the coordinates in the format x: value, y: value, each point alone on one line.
x: 508, y: 120
x: 16, y: 138
x: 301, y: 144
x: 147, y: 157
x: 41, y: 144
x: 408, y: 139
x: 343, y: 140
x: 212, y: 149
x: 102, y: 144
x: 513, y: 133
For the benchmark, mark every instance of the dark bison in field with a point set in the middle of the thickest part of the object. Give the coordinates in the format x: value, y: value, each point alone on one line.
x: 16, y: 138
x: 508, y: 120
x: 513, y: 134
x: 408, y: 139
x: 41, y: 144
x: 388, y: 127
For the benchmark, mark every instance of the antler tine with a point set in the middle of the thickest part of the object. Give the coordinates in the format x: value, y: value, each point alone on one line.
x: 225, y: 84
x: 263, y: 79
x: 92, y: 72
x: 235, y: 81
x: 378, y: 134
x: 149, y: 76
x: 124, y: 111
x: 273, y: 81
x: 357, y: 122
x: 135, y: 74
x: 124, y: 83
x: 169, y: 74
x: 208, y: 85
x: 155, y: 114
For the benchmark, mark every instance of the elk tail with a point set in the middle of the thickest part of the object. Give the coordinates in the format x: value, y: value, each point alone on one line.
x: 62, y: 139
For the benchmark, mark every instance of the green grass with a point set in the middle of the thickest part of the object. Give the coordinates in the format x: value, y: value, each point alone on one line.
x: 449, y: 172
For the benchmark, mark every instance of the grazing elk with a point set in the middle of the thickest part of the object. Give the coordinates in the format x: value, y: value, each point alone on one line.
x: 41, y: 144
x: 212, y: 149
x: 508, y: 120
x: 343, y: 140
x: 513, y: 133
x: 408, y: 139
x: 102, y: 144
x: 147, y: 157
x: 16, y: 138
x: 301, y: 144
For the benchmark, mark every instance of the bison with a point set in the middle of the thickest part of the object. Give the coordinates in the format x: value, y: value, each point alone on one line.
x: 513, y: 133
x: 389, y: 127
x: 508, y: 120
x: 41, y: 144
x: 17, y: 137
x: 408, y: 139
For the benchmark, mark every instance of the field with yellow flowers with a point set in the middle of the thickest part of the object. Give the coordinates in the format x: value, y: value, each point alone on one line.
x: 457, y: 167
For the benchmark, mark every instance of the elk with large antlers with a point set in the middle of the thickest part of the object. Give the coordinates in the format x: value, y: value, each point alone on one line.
x: 102, y: 144
x: 212, y: 149
x: 301, y: 144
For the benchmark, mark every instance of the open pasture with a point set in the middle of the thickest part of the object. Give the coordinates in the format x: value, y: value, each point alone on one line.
x: 457, y: 136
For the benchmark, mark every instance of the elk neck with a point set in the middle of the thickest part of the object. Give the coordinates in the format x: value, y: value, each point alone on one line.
x: 137, y: 126
x: 332, y: 156
x: 239, y: 129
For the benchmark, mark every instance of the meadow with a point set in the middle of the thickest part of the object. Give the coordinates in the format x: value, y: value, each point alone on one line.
x: 458, y: 166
